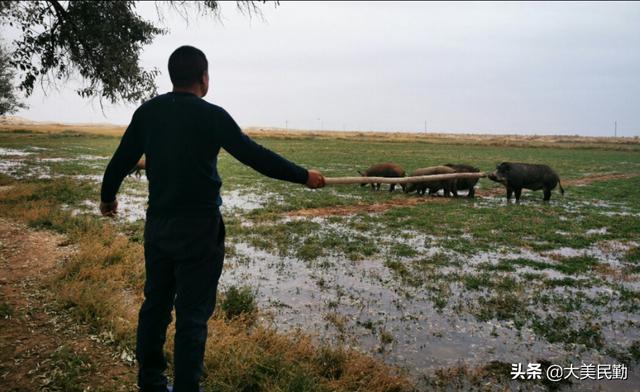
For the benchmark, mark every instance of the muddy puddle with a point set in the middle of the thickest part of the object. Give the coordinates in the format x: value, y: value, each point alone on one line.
x: 13, y: 152
x: 363, y: 305
x: 133, y: 198
x: 29, y: 163
x: 246, y: 199
x: 19, y: 169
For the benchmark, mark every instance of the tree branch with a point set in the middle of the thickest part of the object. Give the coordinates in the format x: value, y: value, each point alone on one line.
x: 58, y: 8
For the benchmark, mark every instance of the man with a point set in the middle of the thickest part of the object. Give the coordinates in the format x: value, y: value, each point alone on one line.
x: 181, y: 135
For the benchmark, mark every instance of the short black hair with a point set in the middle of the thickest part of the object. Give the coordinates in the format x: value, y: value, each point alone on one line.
x: 186, y: 66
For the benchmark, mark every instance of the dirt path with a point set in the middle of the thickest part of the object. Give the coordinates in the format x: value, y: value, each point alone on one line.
x: 41, y: 347
x: 381, y: 207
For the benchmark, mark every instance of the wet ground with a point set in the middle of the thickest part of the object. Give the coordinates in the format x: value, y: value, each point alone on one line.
x: 363, y: 304
x: 366, y: 305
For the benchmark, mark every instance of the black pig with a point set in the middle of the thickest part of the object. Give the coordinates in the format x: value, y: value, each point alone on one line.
x: 515, y: 176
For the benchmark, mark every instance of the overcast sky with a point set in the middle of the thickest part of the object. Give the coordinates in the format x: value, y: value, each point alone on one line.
x: 544, y: 68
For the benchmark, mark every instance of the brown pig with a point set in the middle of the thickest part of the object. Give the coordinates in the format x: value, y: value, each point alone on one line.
x: 387, y: 169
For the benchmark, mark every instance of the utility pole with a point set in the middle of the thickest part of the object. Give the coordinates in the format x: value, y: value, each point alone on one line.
x: 425, y: 126
x: 615, y: 128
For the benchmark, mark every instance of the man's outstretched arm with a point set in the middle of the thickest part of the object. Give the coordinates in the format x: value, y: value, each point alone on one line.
x: 126, y: 156
x: 263, y: 160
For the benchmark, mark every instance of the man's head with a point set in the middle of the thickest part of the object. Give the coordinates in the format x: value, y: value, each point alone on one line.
x: 188, y: 70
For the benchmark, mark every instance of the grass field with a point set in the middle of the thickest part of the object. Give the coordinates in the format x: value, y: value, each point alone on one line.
x: 449, y: 291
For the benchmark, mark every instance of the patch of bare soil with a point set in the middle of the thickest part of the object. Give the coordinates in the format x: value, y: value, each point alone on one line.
x: 41, y: 347
x: 369, y: 208
x: 602, y: 177
x: 383, y: 206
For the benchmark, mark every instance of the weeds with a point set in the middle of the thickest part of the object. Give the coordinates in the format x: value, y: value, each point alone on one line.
x: 503, y: 306
x: 66, y: 370
x: 560, y: 329
x: 6, y: 310
x: 239, y: 301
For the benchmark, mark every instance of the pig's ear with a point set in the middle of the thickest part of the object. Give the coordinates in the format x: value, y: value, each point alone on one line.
x: 505, y: 166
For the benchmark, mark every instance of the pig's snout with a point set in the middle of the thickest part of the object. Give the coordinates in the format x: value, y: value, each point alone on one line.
x: 495, y: 176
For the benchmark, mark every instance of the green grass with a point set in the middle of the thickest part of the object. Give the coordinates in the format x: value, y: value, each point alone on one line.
x: 634, y: 351
x: 476, y: 282
x: 503, y: 266
x: 567, y: 282
x: 567, y: 265
x: 562, y: 329
x: 576, y: 265
x: 503, y: 306
x: 67, y: 370
x: 239, y: 301
x: 633, y: 255
x: 6, y: 310
x: 433, y: 250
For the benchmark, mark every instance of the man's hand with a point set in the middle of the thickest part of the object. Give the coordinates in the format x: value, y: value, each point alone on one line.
x: 109, y: 209
x: 315, y: 179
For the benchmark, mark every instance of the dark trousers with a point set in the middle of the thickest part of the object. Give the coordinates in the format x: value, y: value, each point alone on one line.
x: 183, y: 262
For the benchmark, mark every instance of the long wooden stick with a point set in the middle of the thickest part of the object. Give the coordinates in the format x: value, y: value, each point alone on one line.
x: 398, y: 180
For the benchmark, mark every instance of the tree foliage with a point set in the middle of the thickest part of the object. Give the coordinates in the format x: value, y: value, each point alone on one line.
x: 99, y: 41
x: 9, y: 102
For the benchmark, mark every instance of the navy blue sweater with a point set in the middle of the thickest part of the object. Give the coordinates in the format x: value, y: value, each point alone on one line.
x: 181, y: 135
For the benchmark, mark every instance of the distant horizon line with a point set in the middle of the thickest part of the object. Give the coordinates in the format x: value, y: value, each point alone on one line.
x: 626, y: 134
x: 457, y: 132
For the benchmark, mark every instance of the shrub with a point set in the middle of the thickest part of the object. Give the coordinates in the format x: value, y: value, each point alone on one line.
x: 239, y: 301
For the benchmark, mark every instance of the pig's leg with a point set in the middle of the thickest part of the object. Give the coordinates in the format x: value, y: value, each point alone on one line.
x: 509, y: 193
x: 547, y: 194
x: 518, y: 192
x: 392, y: 187
x: 472, y: 193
